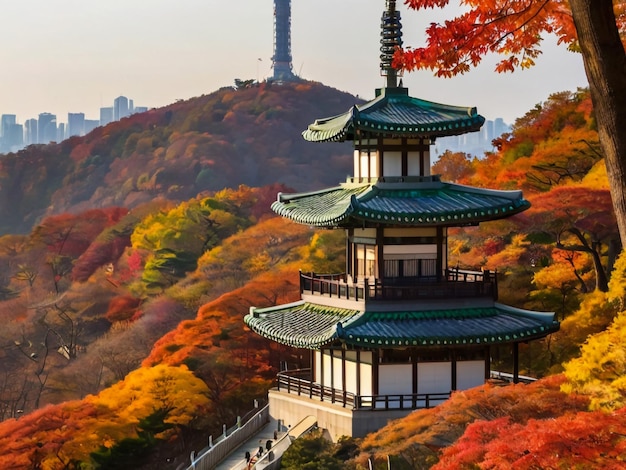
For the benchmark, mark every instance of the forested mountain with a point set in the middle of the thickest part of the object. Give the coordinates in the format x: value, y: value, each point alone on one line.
x: 230, y: 137
x: 123, y: 338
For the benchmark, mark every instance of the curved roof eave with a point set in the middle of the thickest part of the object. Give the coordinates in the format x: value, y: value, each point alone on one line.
x: 307, y: 325
x: 395, y: 113
x: 423, y: 204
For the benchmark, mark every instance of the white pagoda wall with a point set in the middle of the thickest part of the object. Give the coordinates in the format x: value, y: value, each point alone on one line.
x: 434, y: 377
x: 392, y: 164
x: 395, y: 379
x: 352, y: 374
x: 469, y: 374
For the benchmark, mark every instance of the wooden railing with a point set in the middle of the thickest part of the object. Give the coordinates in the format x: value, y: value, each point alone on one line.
x: 293, y: 382
x: 456, y: 283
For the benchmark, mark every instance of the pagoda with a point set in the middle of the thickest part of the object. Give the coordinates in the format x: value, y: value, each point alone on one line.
x: 400, y: 329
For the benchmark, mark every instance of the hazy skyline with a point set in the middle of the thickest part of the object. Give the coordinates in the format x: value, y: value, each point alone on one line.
x: 63, y: 56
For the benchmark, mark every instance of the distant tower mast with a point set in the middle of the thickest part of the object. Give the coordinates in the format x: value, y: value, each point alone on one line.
x: 281, y: 61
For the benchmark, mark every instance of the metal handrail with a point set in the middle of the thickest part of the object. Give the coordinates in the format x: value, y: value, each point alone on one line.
x: 231, y: 438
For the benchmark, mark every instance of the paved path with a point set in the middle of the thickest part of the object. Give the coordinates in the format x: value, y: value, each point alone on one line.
x: 237, y: 458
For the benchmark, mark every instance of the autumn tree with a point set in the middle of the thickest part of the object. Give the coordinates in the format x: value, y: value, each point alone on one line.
x: 580, y: 220
x: 514, y: 29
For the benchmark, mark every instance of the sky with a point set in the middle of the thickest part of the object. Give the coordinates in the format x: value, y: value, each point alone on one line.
x: 63, y: 56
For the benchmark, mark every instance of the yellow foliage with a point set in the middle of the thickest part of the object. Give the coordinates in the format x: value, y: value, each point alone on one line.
x: 599, y: 371
x: 510, y: 255
x: 617, y: 284
x: 149, y: 388
x: 554, y: 276
x: 596, y: 177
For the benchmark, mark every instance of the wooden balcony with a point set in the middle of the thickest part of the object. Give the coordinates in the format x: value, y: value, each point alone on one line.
x: 297, y: 382
x: 455, y: 284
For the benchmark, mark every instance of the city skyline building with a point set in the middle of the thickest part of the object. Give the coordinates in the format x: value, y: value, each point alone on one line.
x: 47, y: 128
x: 75, y: 124
x: 5, y: 121
x: 30, y: 131
x: 120, y: 108
x: 106, y: 115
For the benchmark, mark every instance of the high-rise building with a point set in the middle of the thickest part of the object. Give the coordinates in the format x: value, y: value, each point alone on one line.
x: 6, y: 120
x: 140, y: 109
x: 61, y: 133
x: 120, y: 108
x: 106, y: 115
x: 75, y: 124
x: 30, y: 131
x: 11, y: 134
x: 90, y: 125
x: 47, y: 128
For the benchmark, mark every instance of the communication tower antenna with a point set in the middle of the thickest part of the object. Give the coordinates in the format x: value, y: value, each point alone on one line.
x: 281, y: 60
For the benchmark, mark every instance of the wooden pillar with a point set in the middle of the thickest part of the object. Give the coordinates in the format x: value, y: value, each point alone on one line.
x: 423, y: 149
x: 453, y: 367
x: 487, y: 362
x: 405, y: 158
x: 515, y: 363
x: 349, y: 253
x: 375, y: 359
x: 381, y: 156
x: 321, y: 379
x: 440, y: 267
x: 343, y: 370
x: 332, y: 367
x: 414, y: 369
x: 358, y: 372
x: 380, y: 245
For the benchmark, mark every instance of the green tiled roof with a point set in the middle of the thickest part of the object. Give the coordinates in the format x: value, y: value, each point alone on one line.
x: 307, y: 325
x: 394, y: 112
x: 299, y: 324
x: 418, y: 204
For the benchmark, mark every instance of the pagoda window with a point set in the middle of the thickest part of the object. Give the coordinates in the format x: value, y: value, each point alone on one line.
x: 434, y: 355
x: 366, y: 261
x: 366, y: 164
x: 410, y: 261
x: 395, y: 356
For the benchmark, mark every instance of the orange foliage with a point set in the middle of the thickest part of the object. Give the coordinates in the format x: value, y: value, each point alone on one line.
x: 122, y: 308
x: 461, y: 42
x: 441, y: 426
x: 223, y: 316
x: 574, y: 440
x: 52, y: 436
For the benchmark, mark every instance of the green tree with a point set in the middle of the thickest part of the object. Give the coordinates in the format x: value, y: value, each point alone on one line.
x: 312, y: 452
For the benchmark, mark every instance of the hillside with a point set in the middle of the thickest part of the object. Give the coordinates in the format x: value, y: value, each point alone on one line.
x: 123, y: 338
x: 248, y: 136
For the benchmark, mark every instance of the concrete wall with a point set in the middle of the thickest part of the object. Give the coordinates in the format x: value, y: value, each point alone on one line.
x: 338, y: 421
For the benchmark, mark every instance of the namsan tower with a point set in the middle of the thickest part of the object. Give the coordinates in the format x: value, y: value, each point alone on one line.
x: 281, y: 60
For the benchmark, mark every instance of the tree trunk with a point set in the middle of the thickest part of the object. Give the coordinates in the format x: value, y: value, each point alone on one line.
x: 605, y: 65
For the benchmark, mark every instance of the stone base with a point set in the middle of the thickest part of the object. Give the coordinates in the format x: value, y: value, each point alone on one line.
x: 336, y: 419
